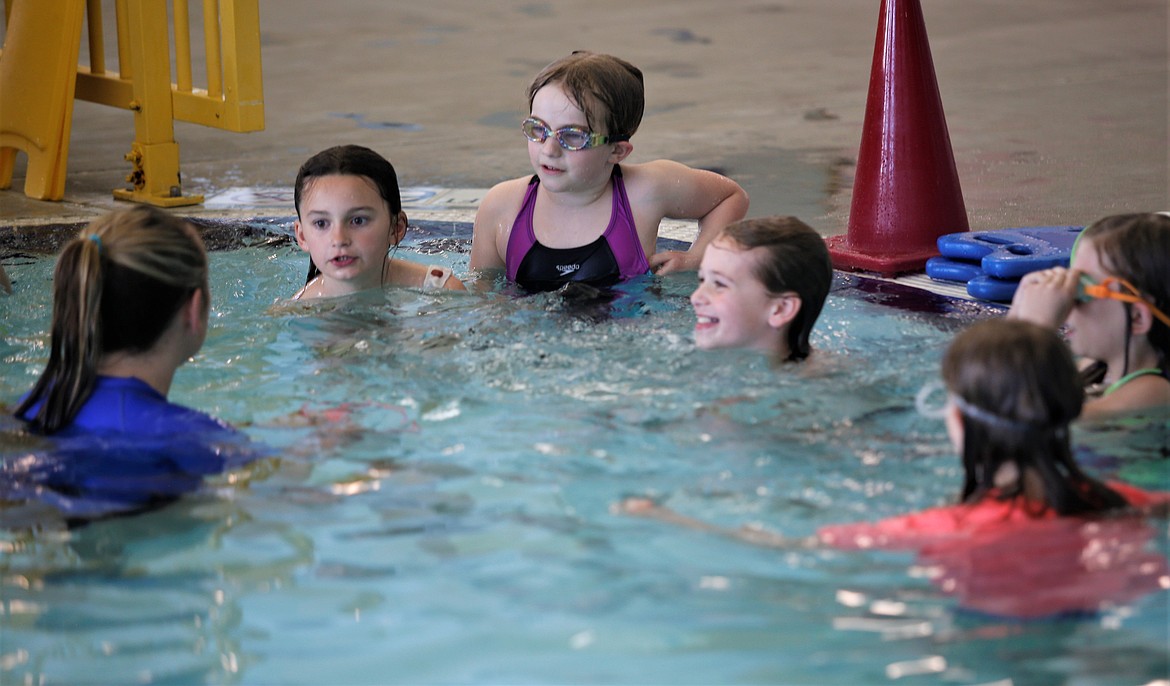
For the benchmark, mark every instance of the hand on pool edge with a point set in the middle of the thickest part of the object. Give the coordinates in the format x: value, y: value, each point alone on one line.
x: 668, y: 261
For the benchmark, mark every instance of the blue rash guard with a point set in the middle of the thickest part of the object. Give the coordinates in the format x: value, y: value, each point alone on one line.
x: 129, y: 405
x: 128, y: 448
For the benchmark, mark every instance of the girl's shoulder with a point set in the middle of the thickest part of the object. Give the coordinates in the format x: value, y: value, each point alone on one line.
x: 1141, y: 391
x: 501, y: 202
x: 675, y: 184
x: 655, y: 172
x: 651, y: 186
x: 310, y: 290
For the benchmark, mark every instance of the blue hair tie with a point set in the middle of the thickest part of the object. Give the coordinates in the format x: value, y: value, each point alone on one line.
x: 96, y: 239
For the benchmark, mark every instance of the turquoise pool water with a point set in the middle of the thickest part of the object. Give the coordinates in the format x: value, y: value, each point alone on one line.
x: 459, y: 531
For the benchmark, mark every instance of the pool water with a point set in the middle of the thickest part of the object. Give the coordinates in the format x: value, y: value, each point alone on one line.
x: 458, y: 528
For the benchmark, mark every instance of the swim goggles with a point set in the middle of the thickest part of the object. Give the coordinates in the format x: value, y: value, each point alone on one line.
x: 923, y: 400
x: 928, y: 407
x: 569, y: 137
x: 1088, y: 289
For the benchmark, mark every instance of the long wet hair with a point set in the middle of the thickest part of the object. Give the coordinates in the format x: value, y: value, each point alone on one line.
x: 608, y: 89
x: 116, y: 287
x: 1136, y: 247
x: 1017, y: 388
x: 349, y: 160
x: 796, y: 260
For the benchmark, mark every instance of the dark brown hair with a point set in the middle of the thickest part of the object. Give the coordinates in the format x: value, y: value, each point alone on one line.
x: 348, y: 160
x: 608, y: 89
x: 1017, y: 387
x: 797, y: 260
x: 1136, y: 247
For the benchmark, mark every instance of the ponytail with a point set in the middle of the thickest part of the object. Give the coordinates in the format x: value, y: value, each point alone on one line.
x: 75, y: 336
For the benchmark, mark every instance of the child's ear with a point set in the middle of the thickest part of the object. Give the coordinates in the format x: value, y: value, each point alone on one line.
x: 299, y: 233
x: 621, y: 150
x: 1141, y: 320
x: 783, y: 310
x: 398, y: 228
x: 195, y: 310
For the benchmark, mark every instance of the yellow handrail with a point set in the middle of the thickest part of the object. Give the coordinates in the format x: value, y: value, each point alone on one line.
x: 182, y: 47
x: 211, y: 46
x: 97, y: 41
x: 232, y: 99
x: 36, y: 91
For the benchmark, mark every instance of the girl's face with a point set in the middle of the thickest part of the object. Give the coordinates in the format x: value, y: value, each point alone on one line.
x: 733, y: 309
x: 1096, y: 329
x: 347, y: 228
x: 560, y: 169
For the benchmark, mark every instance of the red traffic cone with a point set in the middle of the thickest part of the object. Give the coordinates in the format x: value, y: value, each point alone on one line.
x: 906, y: 192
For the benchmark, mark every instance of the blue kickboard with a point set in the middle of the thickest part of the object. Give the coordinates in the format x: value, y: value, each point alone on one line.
x: 946, y: 269
x: 1011, y: 253
x: 990, y: 288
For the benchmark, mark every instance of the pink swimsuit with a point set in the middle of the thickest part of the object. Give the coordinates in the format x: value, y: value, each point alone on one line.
x: 615, y: 256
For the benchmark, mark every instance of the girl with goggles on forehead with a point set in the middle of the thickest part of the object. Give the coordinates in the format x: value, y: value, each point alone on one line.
x: 1113, y: 301
x: 1012, y: 391
x: 583, y: 217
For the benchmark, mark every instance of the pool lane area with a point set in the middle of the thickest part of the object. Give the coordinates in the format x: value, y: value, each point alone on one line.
x: 239, y: 215
x: 458, y: 527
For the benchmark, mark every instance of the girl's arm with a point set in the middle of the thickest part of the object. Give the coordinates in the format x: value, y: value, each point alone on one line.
x: 492, y: 224
x: 756, y: 535
x: 415, y: 275
x: 686, y: 193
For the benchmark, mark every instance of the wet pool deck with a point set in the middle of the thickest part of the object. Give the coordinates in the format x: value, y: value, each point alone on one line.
x: 1057, y: 109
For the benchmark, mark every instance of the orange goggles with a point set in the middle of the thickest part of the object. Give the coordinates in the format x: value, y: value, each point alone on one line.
x: 1089, y: 290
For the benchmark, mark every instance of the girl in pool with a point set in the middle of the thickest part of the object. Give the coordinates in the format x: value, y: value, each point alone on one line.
x: 349, y: 216
x: 583, y: 217
x: 1013, y: 390
x: 762, y: 284
x: 1113, y: 299
x: 130, y: 305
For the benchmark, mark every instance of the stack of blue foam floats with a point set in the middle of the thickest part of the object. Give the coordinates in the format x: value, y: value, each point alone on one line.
x: 992, y: 263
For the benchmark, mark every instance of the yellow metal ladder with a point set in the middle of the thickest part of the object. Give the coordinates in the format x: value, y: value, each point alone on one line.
x: 40, y: 77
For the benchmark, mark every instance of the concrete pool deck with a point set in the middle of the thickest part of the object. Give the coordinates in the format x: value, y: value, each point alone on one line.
x: 1057, y: 109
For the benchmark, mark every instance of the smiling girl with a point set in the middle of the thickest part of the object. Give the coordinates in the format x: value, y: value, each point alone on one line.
x: 762, y: 284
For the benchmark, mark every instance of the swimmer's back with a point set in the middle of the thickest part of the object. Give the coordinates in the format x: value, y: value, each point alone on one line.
x: 127, y: 405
